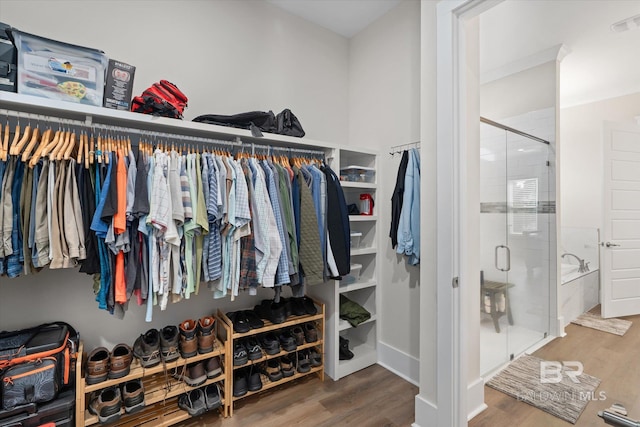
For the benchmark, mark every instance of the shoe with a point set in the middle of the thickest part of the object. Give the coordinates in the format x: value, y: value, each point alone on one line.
x: 106, y: 404
x: 344, y: 353
x: 169, y: 348
x: 212, y: 397
x: 286, y: 366
x: 253, y: 319
x: 304, y: 361
x: 298, y: 334
x: 310, y: 332
x: 239, y: 354
x: 240, y: 321
x: 254, y: 351
x: 254, y: 380
x: 273, y: 370
x: 286, y: 302
x: 315, y: 357
x: 309, y: 306
x: 147, y: 348
x: 297, y: 307
x: 195, y: 374
x: 278, y: 312
x: 287, y: 341
x: 206, y: 336
x: 188, y: 341
x: 97, y: 366
x: 133, y: 396
x: 193, y: 402
x: 270, y: 343
x: 240, y: 387
x: 213, y: 367
x: 121, y: 357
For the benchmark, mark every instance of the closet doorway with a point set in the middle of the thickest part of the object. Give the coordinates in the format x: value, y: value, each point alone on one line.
x: 517, y: 216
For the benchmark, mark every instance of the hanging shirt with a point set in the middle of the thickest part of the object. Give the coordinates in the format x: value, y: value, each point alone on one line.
x: 409, y: 225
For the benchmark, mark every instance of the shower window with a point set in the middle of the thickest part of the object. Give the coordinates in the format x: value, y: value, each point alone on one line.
x: 523, y: 205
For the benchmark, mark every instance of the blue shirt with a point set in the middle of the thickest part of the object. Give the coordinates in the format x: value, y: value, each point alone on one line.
x: 409, y: 225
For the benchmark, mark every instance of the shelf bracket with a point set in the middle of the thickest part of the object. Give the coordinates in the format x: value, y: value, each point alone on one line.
x: 88, y: 120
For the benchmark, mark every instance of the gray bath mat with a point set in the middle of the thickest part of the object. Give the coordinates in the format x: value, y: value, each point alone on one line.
x: 594, y: 321
x: 559, y: 395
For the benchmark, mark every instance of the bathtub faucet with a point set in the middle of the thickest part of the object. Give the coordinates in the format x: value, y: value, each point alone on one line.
x: 584, y: 266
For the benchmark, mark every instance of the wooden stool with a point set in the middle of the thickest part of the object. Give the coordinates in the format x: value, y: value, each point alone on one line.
x: 496, y: 288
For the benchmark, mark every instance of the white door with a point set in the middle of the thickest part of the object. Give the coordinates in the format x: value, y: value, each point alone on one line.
x: 620, y: 246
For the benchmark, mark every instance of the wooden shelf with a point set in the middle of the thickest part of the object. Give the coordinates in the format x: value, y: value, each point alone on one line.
x: 364, y: 355
x: 137, y: 371
x: 364, y: 251
x: 267, y: 384
x: 268, y: 326
x: 356, y: 286
x: 266, y: 357
x: 343, y: 325
x: 356, y: 184
x: 363, y: 218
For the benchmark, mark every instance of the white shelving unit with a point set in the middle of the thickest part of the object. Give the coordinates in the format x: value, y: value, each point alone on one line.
x: 364, y: 290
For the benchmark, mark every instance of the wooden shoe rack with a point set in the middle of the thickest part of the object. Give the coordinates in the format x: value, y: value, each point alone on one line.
x: 161, y: 390
x: 291, y: 321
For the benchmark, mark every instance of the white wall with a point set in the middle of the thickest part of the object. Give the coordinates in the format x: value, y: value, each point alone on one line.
x: 228, y: 57
x: 581, y: 154
x: 384, y: 110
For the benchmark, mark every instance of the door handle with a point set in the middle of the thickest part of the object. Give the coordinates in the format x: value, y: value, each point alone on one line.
x: 610, y: 245
x: 508, y: 257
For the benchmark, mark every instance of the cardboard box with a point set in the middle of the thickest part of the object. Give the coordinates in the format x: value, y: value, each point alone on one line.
x: 61, y: 71
x: 8, y: 60
x: 119, y: 88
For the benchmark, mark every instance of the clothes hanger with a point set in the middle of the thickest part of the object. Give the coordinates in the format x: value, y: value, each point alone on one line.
x: 63, y: 147
x: 88, y: 157
x: 32, y: 143
x: 16, y: 137
x: 56, y: 145
x: 5, y: 144
x: 44, y: 140
x: 80, y: 148
x: 15, y: 144
x: 69, y: 148
x: 99, y: 152
x: 49, y: 145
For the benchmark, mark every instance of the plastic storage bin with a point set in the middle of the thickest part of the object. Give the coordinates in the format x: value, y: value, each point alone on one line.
x: 358, y: 174
x: 355, y: 239
x: 353, y: 276
x: 61, y: 71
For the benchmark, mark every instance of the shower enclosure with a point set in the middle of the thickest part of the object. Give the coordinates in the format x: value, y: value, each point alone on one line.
x: 517, y: 223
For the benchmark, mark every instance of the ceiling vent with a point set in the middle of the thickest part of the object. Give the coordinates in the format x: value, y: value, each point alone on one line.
x: 626, y: 24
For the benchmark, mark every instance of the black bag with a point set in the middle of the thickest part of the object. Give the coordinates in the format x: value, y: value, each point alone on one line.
x: 30, y: 382
x: 288, y: 124
x: 285, y: 123
x: 36, y: 363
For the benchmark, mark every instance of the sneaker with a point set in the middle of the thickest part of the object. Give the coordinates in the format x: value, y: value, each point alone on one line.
x: 274, y: 372
x: 240, y: 387
x: 193, y: 402
x: 121, y: 357
x: 286, y: 366
x: 240, y: 321
x: 206, y: 335
x: 213, y: 367
x: 254, y: 380
x: 309, y: 306
x: 310, y: 332
x: 253, y: 319
x: 97, y: 366
x: 304, y: 361
x: 298, y: 334
x: 278, y: 312
x: 133, y: 396
x: 287, y: 341
x: 297, y: 307
x: 196, y: 374
x: 270, y: 343
x: 188, y: 341
x: 239, y: 354
x: 212, y: 397
x: 147, y: 348
x: 106, y: 404
x: 254, y: 351
x: 169, y: 348
x: 315, y: 358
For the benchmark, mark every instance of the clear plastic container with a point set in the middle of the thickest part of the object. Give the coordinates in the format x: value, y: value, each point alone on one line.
x: 355, y: 239
x: 353, y: 276
x: 355, y: 173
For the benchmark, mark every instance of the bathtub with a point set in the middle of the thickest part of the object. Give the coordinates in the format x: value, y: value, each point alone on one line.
x: 569, y: 272
x: 579, y: 291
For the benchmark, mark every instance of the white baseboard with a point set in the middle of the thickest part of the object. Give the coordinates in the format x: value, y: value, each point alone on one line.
x: 426, y: 413
x: 475, y: 398
x: 400, y: 363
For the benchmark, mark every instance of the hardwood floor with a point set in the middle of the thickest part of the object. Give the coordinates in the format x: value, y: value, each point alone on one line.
x: 613, y: 359
x: 372, y: 397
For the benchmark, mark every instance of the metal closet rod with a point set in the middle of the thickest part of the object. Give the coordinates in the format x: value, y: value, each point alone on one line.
x: 395, y: 149
x: 154, y: 134
x: 510, y: 129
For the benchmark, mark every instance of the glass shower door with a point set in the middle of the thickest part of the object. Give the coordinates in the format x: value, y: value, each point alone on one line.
x: 515, y: 245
